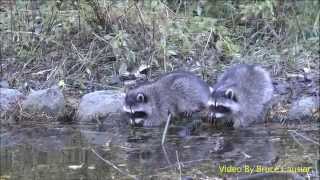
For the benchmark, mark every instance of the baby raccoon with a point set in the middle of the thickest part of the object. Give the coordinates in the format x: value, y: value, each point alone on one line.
x: 240, y: 95
x: 177, y: 93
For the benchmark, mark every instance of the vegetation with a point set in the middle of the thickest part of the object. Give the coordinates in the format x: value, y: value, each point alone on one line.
x: 89, y: 43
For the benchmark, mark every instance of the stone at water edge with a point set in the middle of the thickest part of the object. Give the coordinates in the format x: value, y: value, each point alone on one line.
x: 47, y: 101
x: 99, y: 104
x: 4, y: 84
x: 9, y: 101
x: 303, y: 108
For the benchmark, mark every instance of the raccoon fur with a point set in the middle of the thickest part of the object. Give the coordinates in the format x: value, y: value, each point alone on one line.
x: 240, y: 95
x: 178, y: 93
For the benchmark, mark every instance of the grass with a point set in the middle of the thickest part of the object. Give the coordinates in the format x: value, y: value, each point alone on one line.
x: 84, y: 43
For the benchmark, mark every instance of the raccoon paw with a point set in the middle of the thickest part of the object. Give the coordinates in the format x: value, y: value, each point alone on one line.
x: 230, y: 123
x: 212, y: 120
x: 187, y: 114
x: 236, y: 124
x: 192, y: 127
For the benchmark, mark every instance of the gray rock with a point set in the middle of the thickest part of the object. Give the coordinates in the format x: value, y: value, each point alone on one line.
x: 4, y: 84
x: 303, y: 108
x: 98, y: 105
x: 49, y: 102
x: 9, y: 100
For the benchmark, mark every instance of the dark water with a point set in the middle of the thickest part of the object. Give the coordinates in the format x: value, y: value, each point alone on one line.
x: 72, y: 152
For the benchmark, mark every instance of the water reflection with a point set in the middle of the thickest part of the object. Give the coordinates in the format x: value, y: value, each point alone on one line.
x: 66, y: 152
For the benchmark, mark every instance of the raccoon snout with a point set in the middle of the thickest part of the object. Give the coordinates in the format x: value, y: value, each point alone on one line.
x: 137, y: 122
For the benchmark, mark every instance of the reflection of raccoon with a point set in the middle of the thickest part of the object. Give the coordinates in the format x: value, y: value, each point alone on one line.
x: 240, y: 95
x: 177, y: 93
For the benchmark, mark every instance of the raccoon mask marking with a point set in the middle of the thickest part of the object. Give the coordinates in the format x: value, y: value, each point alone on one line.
x: 222, y: 103
x: 135, y: 105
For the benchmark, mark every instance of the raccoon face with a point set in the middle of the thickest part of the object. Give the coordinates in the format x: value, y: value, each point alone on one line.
x: 223, y: 103
x: 137, y: 105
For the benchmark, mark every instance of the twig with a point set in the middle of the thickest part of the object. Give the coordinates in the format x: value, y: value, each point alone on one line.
x: 179, y: 165
x: 202, y: 54
x: 166, y: 154
x: 304, y: 137
x: 166, y: 129
x: 245, y: 155
x: 167, y: 8
x: 142, y: 21
x: 296, y: 140
x: 111, y: 164
x: 205, y: 47
x: 79, y: 18
x: 11, y: 21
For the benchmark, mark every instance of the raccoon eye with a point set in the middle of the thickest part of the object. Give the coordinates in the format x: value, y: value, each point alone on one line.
x: 141, y: 98
x: 230, y: 94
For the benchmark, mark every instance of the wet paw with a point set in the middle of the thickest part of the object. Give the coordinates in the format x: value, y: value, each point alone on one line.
x: 187, y: 114
x: 230, y: 123
x: 192, y: 127
x: 211, y: 120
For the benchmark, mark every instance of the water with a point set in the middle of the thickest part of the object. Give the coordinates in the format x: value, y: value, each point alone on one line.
x: 72, y: 151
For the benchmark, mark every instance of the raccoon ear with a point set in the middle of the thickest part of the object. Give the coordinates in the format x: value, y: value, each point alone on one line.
x: 141, y: 97
x: 230, y: 94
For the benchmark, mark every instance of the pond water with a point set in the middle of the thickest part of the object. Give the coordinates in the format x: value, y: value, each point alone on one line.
x: 119, y: 152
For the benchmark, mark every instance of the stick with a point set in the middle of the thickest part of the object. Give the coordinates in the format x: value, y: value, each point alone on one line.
x: 304, y: 137
x: 165, y: 129
x: 204, y: 72
x: 179, y: 165
x: 111, y: 164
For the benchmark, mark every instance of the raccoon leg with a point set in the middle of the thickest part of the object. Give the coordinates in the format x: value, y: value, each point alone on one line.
x: 230, y: 123
x: 188, y: 114
x: 212, y: 120
x: 242, y: 121
x: 238, y: 122
x: 191, y: 127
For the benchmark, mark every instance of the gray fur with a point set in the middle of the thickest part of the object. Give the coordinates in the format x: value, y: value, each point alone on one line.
x: 176, y: 93
x: 251, y: 88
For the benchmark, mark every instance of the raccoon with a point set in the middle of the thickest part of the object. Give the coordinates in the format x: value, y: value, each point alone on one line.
x: 240, y: 95
x: 178, y: 93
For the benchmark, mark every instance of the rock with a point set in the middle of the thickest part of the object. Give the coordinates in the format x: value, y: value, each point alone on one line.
x: 49, y: 102
x: 9, y: 100
x: 186, y: 178
x: 98, y: 105
x: 303, y: 108
x: 4, y: 84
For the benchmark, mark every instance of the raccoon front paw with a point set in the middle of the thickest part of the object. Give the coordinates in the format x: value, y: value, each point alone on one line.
x: 235, y: 124
x: 192, y: 127
x: 211, y: 120
x: 187, y: 114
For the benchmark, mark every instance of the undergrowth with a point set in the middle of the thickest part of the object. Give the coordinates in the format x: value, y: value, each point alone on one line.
x: 89, y: 44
